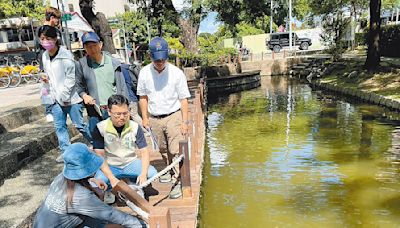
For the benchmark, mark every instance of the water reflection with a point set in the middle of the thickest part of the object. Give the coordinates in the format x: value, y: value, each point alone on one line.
x: 286, y: 156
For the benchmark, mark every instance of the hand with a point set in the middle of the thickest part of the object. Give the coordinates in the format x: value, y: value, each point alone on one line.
x: 184, y: 128
x: 88, y: 100
x: 44, y: 79
x: 114, y: 181
x: 146, y: 123
x: 141, y: 178
x: 101, y: 184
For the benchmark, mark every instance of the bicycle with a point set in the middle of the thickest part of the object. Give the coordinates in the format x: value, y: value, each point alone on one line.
x: 12, y: 72
x: 5, y: 79
x: 31, y: 72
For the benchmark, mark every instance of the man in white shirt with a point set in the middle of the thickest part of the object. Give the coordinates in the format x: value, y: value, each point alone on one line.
x: 163, y: 92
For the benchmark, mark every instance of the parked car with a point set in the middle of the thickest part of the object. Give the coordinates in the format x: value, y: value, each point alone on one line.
x: 279, y: 40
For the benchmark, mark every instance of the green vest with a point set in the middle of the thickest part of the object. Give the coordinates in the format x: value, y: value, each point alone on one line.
x: 119, y: 150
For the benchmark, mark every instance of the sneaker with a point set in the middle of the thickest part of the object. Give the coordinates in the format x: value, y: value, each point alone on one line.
x: 176, y: 191
x: 49, y: 118
x: 109, y: 197
x: 60, y: 159
x: 165, y: 178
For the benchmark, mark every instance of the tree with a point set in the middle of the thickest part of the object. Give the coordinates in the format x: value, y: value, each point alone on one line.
x: 246, y: 29
x: 99, y: 24
x: 32, y: 9
x: 187, y: 19
x: 373, y: 53
x: 22, y: 8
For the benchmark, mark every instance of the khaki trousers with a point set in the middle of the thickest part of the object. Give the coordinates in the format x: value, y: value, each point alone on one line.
x: 168, y: 133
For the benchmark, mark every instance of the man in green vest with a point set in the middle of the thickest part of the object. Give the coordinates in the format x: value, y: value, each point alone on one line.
x: 120, y: 140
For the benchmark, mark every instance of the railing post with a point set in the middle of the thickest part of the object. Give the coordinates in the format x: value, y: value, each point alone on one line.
x: 262, y: 55
x: 160, y: 218
x: 251, y: 57
x: 185, y: 169
x: 273, y: 55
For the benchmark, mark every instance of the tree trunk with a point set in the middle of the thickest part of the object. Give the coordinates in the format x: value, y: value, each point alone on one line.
x: 99, y: 24
x: 373, y: 54
x: 189, y: 34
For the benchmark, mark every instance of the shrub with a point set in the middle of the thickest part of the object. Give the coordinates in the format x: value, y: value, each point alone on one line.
x: 390, y: 41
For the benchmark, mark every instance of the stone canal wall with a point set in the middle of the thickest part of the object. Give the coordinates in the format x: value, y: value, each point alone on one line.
x: 359, y: 94
x: 271, y: 67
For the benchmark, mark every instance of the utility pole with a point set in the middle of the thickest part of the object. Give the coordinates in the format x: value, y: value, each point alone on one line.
x: 290, y: 25
x: 271, y: 21
x: 126, y: 46
x: 148, y: 2
x: 66, y: 33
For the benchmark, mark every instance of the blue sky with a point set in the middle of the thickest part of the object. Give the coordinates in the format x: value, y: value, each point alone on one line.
x: 210, y: 23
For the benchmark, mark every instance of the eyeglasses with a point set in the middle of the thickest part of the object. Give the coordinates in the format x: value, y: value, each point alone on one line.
x: 119, y: 114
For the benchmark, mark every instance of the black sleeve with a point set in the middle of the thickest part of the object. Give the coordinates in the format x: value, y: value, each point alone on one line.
x: 98, y: 139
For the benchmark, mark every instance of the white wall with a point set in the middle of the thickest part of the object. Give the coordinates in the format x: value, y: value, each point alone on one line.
x: 109, y: 7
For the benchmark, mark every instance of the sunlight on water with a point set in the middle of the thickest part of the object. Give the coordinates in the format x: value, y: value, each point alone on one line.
x: 286, y: 156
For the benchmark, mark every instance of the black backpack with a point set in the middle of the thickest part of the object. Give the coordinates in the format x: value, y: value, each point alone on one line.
x: 131, y: 75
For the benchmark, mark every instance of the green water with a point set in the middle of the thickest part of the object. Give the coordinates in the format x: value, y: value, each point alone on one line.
x: 286, y: 156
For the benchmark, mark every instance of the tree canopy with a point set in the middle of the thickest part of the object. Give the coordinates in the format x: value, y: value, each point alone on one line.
x: 22, y: 8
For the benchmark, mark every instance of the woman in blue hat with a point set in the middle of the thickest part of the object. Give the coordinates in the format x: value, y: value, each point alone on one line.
x: 71, y: 200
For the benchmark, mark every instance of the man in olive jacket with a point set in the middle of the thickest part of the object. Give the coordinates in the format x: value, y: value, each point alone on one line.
x: 98, y: 77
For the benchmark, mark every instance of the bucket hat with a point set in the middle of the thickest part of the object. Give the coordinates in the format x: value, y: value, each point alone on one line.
x: 158, y: 49
x: 80, y: 162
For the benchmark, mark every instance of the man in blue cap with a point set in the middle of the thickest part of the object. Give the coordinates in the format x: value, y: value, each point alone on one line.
x: 98, y: 76
x: 163, y: 92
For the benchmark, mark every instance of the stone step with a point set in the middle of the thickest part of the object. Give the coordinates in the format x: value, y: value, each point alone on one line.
x: 22, y: 193
x: 299, y: 67
x: 26, y: 143
x: 15, y: 116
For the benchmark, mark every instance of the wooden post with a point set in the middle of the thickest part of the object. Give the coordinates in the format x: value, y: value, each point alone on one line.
x: 132, y: 196
x: 273, y: 54
x: 185, y: 169
x: 193, y: 131
x: 284, y: 53
x: 229, y: 59
x: 251, y: 57
x: 160, y: 218
x: 262, y: 55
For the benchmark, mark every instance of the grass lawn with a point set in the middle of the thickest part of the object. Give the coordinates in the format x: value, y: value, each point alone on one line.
x: 349, y: 73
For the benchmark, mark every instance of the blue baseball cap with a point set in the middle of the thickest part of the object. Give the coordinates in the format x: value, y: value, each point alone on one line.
x: 158, y: 49
x: 90, y: 37
x: 80, y: 162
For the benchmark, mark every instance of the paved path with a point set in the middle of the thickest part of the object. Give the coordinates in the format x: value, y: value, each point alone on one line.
x: 23, y: 95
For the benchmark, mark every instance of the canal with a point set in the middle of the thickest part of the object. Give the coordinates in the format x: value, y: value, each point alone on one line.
x: 284, y: 155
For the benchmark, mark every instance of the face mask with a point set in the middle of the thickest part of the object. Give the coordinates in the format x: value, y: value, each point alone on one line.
x: 48, y: 44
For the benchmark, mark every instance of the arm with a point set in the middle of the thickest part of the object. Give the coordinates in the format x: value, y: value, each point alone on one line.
x: 86, y: 203
x: 98, y: 146
x: 144, y: 150
x: 69, y: 82
x: 81, y: 85
x: 185, y: 114
x: 143, y: 103
x: 183, y: 94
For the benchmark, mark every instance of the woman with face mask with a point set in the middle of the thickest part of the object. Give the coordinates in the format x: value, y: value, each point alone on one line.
x: 59, y: 65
